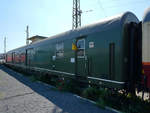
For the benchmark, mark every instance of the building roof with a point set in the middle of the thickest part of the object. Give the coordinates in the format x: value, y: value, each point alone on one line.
x: 37, y: 37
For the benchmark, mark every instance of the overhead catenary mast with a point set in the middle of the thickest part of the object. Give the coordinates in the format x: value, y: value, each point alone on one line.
x: 76, y: 16
x: 4, y: 44
x: 27, y: 35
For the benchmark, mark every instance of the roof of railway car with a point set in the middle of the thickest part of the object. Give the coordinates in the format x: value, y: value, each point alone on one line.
x: 146, y: 16
x: 85, y: 30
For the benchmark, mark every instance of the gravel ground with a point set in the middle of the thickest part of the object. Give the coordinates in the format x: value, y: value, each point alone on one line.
x: 19, y: 95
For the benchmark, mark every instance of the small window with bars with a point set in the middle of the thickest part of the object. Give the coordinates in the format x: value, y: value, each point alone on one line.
x: 60, y: 49
x: 81, y: 48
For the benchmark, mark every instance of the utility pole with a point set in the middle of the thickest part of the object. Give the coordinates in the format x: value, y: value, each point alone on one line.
x: 27, y: 35
x: 76, y: 20
x: 5, y: 45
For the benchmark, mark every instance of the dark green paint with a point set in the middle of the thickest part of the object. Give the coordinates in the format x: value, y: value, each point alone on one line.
x: 96, y: 60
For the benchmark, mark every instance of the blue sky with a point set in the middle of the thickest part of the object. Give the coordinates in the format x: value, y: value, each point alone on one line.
x: 50, y: 17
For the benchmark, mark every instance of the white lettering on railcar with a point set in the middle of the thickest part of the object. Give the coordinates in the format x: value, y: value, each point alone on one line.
x: 91, y: 44
x: 72, y: 60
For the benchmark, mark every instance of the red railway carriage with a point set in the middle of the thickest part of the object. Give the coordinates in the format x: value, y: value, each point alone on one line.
x: 16, y: 57
x: 146, y: 67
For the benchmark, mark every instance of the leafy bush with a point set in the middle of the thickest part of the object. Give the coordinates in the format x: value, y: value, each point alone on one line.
x: 136, y: 105
x: 91, y: 93
x: 68, y: 85
x: 122, y: 102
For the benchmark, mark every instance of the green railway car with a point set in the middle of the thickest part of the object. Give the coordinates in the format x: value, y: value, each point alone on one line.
x: 102, y: 53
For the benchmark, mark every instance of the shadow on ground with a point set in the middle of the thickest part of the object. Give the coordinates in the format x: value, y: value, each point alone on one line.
x: 65, y: 101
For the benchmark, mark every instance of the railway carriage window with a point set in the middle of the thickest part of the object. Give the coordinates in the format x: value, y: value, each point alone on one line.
x: 60, y: 49
x: 81, y: 48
